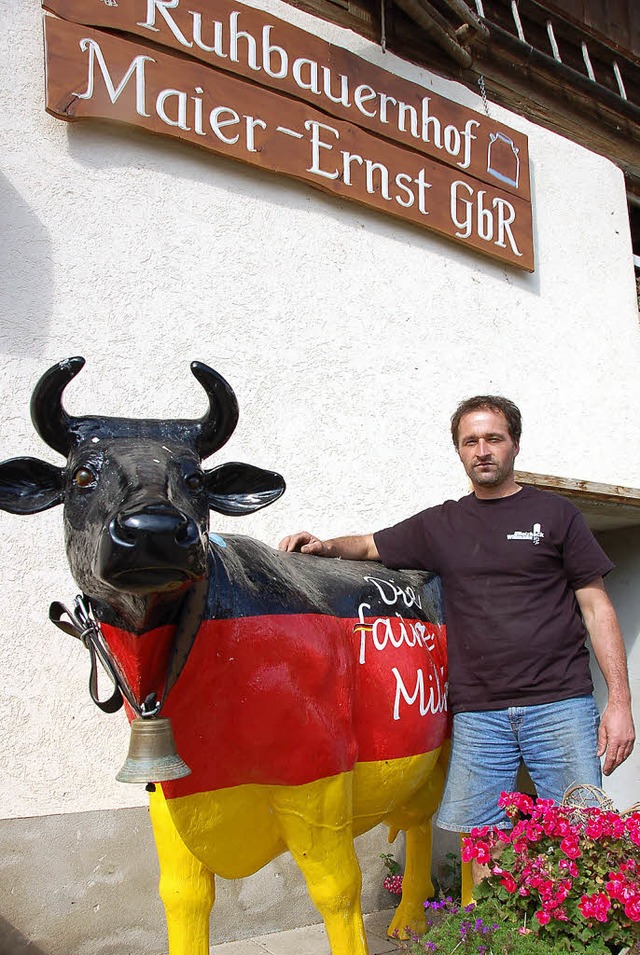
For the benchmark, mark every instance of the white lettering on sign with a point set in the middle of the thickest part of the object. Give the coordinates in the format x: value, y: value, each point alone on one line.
x: 268, y: 50
x: 394, y: 631
x: 172, y: 106
x: 162, y: 6
x: 181, y: 108
x: 259, y: 53
x: 204, y: 106
x: 451, y: 137
x: 251, y: 45
x: 317, y: 144
x: 378, y: 184
x: 391, y: 593
x: 469, y: 214
x: 383, y: 632
x: 137, y: 67
x: 216, y: 36
x: 433, y: 700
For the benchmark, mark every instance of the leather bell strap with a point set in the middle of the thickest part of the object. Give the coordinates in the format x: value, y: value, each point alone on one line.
x: 81, y: 625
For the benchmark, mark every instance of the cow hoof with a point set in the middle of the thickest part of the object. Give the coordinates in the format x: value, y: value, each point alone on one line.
x: 407, y: 921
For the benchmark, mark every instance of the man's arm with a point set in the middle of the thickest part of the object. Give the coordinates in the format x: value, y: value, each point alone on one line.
x: 359, y: 547
x: 617, y: 735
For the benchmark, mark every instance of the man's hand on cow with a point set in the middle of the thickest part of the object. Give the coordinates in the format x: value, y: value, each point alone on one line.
x: 304, y: 543
x: 353, y: 547
x: 616, y: 737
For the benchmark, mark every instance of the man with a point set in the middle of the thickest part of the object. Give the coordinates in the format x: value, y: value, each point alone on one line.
x: 520, y: 571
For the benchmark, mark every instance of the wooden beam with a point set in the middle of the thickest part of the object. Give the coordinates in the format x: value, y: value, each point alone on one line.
x: 586, y: 114
x: 580, y: 489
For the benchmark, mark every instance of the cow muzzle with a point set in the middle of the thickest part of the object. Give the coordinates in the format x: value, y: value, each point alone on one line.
x: 151, y: 548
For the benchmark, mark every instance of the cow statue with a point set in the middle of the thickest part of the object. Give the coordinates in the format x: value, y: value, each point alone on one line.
x: 307, y: 696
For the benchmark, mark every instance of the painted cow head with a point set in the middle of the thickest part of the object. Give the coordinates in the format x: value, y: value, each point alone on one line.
x: 136, y: 499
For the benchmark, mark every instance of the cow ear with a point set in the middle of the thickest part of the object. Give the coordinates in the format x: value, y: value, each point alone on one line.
x: 28, y: 485
x: 236, y: 488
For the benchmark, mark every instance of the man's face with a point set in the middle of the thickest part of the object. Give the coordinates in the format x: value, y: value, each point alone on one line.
x: 486, y: 448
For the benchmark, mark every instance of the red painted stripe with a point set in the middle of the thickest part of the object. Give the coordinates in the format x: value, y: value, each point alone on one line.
x: 291, y: 698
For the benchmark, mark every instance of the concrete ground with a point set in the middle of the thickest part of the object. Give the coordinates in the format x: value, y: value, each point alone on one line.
x: 311, y: 940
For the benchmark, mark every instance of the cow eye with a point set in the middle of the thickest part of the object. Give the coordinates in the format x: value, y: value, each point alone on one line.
x: 83, y: 477
x: 194, y: 481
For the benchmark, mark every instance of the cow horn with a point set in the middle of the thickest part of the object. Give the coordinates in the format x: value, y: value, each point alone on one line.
x: 62, y: 432
x: 216, y: 427
x: 51, y: 421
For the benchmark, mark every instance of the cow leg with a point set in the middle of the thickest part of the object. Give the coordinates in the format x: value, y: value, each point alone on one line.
x: 316, y: 824
x: 415, y: 817
x: 417, y: 885
x: 466, y: 874
x: 187, y: 888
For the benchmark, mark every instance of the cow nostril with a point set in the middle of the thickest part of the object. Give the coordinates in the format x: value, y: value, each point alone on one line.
x: 154, y: 522
x: 121, y: 533
x: 187, y: 533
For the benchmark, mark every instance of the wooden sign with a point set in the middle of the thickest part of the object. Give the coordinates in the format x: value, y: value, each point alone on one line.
x: 269, y: 51
x: 92, y: 73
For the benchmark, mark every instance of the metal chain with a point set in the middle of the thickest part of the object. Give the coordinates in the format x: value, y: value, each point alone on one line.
x: 383, y: 26
x: 484, y: 94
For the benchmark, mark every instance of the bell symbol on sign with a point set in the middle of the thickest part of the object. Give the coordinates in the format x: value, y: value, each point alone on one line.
x: 503, y: 161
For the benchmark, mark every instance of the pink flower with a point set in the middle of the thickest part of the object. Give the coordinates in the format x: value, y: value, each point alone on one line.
x: 569, y: 866
x: 632, y: 909
x: 519, y: 801
x: 615, y: 825
x: 483, y: 855
x: 585, y: 906
x: 468, y: 850
x: 617, y: 887
x: 479, y: 832
x: 570, y: 847
x: 544, y: 886
x: 476, y: 850
x: 393, y: 884
x: 561, y: 828
x: 595, y: 906
x: 634, y: 835
x: 594, y: 828
x: 559, y: 853
x: 508, y: 882
x: 546, y: 805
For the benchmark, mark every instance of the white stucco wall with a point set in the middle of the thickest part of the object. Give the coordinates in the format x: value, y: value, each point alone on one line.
x: 348, y: 337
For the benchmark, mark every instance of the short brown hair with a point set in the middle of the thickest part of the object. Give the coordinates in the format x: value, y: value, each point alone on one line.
x: 497, y: 403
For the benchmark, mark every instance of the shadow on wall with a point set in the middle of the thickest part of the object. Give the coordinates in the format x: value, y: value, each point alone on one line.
x: 13, y: 942
x: 99, y: 144
x: 26, y: 288
x: 623, y: 548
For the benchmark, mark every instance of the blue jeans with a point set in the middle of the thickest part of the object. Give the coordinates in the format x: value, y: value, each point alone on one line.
x: 556, y: 741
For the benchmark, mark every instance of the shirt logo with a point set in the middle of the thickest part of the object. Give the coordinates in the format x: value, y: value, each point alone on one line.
x: 534, y: 535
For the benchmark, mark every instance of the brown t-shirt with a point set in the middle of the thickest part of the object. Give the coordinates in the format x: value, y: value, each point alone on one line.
x: 509, y: 569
